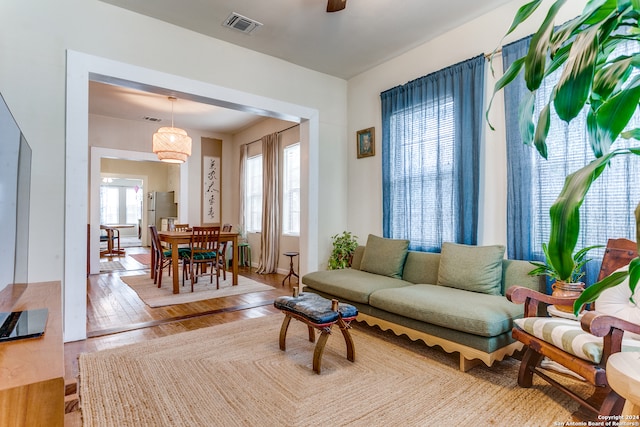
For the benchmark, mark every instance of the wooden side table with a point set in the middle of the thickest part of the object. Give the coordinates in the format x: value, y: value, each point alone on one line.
x: 623, y: 375
x: 292, y: 272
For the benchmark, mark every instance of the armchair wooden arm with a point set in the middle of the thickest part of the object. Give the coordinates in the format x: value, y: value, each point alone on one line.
x: 531, y: 299
x: 610, y: 328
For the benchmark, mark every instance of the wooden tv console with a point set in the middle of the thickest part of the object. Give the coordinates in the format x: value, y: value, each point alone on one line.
x: 32, y: 370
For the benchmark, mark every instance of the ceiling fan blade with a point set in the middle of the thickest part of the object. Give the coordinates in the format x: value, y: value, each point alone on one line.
x: 336, y: 5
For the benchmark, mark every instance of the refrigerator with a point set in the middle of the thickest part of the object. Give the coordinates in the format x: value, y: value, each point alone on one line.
x: 161, y: 205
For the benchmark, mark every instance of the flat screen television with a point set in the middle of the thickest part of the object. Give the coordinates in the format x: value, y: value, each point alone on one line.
x: 15, y: 185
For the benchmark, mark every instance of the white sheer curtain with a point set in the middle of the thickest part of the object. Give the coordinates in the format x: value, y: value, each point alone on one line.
x: 269, y: 244
x: 244, y: 153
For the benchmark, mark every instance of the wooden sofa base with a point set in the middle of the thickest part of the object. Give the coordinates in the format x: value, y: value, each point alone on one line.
x: 469, y: 357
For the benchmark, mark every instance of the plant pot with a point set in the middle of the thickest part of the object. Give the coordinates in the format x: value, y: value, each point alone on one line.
x: 566, y: 290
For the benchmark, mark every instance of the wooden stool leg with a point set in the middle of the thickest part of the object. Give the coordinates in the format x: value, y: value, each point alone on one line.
x: 344, y: 328
x: 312, y: 333
x: 317, y: 353
x: 283, y: 331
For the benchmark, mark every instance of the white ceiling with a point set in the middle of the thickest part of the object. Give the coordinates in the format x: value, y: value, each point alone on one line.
x: 342, y: 44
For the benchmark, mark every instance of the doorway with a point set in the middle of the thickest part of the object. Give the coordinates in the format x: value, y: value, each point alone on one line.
x: 81, y: 68
x: 121, y: 202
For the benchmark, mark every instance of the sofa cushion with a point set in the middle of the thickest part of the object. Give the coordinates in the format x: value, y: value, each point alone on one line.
x: 471, y: 268
x: 421, y: 267
x: 568, y: 335
x: 384, y: 256
x: 350, y: 284
x: 471, y: 312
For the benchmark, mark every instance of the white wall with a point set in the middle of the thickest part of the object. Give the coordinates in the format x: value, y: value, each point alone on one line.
x: 34, y: 39
x: 481, y: 35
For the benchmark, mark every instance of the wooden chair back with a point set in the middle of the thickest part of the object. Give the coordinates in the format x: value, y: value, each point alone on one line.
x: 618, y: 253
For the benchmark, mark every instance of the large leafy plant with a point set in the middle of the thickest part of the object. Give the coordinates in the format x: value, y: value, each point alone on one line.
x: 547, y: 269
x: 592, y: 77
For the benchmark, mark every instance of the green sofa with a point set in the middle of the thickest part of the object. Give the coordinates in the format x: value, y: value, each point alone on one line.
x: 454, y: 299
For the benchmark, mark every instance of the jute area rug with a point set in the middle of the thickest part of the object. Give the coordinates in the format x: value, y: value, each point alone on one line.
x: 159, y: 297
x: 235, y: 375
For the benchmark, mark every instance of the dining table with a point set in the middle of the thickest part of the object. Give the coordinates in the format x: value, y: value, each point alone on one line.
x: 176, y: 238
x: 113, y: 233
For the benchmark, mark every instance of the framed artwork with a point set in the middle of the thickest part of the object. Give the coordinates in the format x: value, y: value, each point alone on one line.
x: 366, y: 143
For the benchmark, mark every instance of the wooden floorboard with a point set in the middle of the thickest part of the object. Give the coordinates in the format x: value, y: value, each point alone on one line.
x: 116, y: 316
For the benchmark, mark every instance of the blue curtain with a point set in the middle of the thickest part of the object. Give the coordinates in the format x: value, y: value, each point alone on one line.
x: 431, y: 133
x: 520, y: 244
x: 534, y: 183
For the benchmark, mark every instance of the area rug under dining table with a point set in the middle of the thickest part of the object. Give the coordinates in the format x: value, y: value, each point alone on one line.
x: 159, y: 297
x: 235, y: 375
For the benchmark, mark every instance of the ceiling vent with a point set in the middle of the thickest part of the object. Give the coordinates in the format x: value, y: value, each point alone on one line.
x: 152, y: 119
x: 241, y: 23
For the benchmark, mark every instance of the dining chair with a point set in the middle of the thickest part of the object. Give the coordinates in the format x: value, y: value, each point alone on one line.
x: 223, y: 251
x: 204, y: 251
x: 162, y: 256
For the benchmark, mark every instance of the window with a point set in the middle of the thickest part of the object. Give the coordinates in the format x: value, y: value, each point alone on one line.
x: 120, y: 204
x: 133, y: 205
x: 109, y: 205
x: 253, y: 202
x: 291, y: 190
x: 535, y: 183
x: 431, y: 132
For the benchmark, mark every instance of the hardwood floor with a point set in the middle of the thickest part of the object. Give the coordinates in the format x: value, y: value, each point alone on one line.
x: 116, y: 316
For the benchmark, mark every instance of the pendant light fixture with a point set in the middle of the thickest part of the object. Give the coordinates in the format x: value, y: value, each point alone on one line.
x: 171, y: 144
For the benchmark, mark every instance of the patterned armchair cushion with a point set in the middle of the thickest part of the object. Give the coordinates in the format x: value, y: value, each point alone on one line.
x: 568, y: 335
x: 616, y: 301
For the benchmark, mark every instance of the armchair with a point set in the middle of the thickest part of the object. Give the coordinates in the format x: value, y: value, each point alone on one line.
x: 581, y: 347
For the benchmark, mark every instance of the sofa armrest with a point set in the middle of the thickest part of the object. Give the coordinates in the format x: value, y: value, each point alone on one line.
x: 532, y: 299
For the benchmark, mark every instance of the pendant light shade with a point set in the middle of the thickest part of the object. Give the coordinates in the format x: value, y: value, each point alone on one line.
x: 171, y: 144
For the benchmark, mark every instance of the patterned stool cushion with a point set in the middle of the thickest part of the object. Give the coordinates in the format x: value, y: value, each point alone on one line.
x: 314, y: 308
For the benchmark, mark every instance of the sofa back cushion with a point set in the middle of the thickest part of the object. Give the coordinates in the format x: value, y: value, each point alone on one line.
x: 356, y: 260
x: 471, y: 268
x: 516, y: 273
x: 421, y: 267
x: 384, y: 256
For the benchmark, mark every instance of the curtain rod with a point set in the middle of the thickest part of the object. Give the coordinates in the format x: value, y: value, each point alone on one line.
x: 278, y: 132
x: 495, y: 52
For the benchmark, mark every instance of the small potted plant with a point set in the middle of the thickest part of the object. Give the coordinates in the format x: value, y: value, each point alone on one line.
x: 344, y: 245
x: 564, y: 285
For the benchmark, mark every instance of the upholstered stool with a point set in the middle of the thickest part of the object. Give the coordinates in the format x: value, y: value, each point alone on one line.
x: 317, y: 313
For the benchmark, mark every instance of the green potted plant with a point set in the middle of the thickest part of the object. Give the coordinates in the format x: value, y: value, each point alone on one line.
x: 344, y: 245
x: 592, y: 76
x: 563, y: 285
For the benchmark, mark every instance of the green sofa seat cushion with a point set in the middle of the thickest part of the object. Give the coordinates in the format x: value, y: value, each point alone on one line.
x: 350, y: 284
x: 471, y: 312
